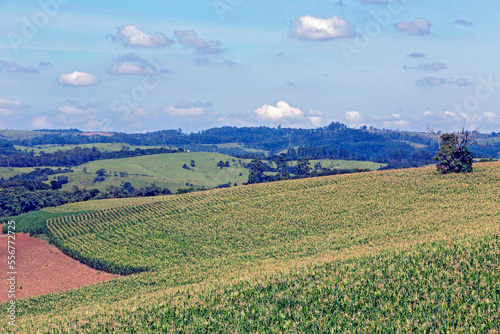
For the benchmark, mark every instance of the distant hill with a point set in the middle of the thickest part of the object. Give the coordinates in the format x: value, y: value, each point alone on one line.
x: 333, y: 141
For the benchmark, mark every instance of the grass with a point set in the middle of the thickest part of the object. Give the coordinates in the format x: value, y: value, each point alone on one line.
x: 162, y: 169
x: 345, y: 164
x: 406, y: 250
x: 8, y: 172
x: 103, y: 147
x: 247, y: 149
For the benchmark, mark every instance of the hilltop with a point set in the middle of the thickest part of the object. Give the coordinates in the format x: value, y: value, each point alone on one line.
x: 243, y: 258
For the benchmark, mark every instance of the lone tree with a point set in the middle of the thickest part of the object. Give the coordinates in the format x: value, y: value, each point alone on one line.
x: 303, y: 168
x: 453, y: 155
x: 257, y: 170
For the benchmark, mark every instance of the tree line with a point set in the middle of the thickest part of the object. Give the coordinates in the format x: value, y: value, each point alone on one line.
x: 74, y: 157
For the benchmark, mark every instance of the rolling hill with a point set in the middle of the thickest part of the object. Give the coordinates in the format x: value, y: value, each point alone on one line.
x: 405, y: 249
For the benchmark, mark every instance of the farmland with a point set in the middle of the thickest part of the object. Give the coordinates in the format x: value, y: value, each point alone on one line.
x: 164, y: 170
x: 103, y: 147
x: 378, y: 251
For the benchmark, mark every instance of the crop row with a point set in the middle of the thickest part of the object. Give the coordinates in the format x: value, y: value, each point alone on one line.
x: 436, y: 287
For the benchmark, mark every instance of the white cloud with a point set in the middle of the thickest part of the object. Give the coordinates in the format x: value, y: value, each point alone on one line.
x: 490, y: 116
x: 419, y: 26
x: 128, y: 68
x: 130, y: 36
x: 450, y: 114
x: 353, y: 116
x: 274, y: 114
x: 317, y: 28
x: 77, y: 79
x: 40, y: 122
x: 190, y: 39
x: 471, y: 118
x: 397, y: 116
x: 176, y: 111
x: 315, y: 117
x: 133, y: 64
x: 428, y: 113
x: 6, y: 103
x: 316, y: 120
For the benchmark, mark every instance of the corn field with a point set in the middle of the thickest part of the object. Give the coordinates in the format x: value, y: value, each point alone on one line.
x: 406, y: 250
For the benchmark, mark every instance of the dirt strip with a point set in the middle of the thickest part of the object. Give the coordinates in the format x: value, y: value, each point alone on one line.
x: 42, y: 268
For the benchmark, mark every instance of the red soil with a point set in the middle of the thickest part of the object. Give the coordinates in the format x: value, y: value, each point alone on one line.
x: 42, y: 268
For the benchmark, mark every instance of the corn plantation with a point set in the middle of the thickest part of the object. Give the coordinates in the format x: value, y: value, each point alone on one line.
x: 382, y: 251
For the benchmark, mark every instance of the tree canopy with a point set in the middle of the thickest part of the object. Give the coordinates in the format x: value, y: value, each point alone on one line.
x: 453, y: 155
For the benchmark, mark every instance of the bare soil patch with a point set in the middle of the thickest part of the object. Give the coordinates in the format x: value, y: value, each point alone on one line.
x: 42, y: 268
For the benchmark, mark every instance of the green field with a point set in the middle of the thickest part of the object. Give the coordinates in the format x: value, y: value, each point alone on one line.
x: 164, y: 170
x: 407, y: 250
x: 344, y: 164
x: 103, y: 147
x: 8, y: 172
x: 248, y: 149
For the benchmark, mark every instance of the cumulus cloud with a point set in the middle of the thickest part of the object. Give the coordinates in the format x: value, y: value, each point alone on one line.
x: 11, y: 104
x: 431, y: 67
x: 77, y: 78
x: 315, y: 117
x: 129, y: 68
x: 450, y: 113
x: 318, y: 28
x: 417, y: 55
x: 274, y: 114
x: 131, y: 36
x: 190, y: 39
x: 13, y: 67
x: 353, y: 116
x: 316, y: 120
x: 419, y: 26
x: 133, y: 64
x: 463, y: 22
x: 40, y: 123
x: 10, y: 107
x: 427, y: 113
x: 490, y: 116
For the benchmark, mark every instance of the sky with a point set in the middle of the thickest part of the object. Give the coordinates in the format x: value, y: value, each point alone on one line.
x: 139, y: 66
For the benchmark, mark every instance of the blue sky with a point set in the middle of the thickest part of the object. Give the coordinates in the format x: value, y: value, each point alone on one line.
x: 137, y: 66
